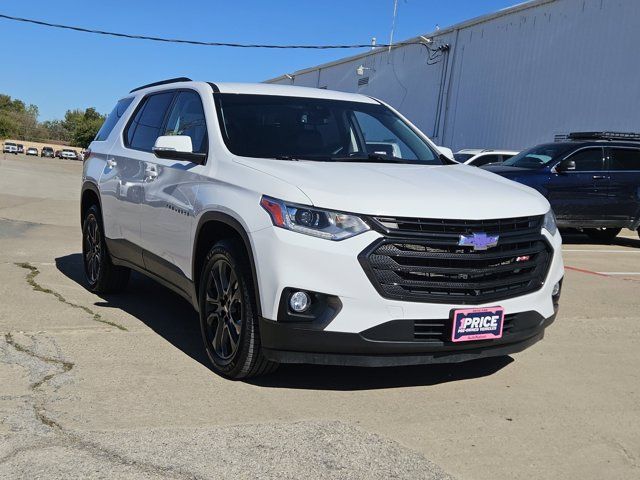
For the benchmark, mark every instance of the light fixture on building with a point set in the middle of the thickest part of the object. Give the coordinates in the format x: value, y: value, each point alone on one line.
x: 360, y: 70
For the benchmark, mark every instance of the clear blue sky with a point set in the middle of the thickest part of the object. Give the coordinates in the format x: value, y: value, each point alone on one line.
x: 58, y: 70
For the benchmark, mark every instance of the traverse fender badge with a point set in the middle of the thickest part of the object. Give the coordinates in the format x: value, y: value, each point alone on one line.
x: 479, y: 241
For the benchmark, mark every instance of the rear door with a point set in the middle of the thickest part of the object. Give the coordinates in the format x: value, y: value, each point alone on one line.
x: 624, y: 184
x: 170, y: 193
x: 581, y: 195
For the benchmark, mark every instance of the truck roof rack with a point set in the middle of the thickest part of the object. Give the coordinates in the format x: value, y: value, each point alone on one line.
x: 604, y: 136
x: 162, y: 82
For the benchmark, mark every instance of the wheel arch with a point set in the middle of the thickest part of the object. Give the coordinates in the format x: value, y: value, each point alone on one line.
x: 90, y: 195
x: 212, y: 227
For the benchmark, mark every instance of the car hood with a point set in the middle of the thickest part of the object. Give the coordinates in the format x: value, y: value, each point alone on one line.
x: 447, y: 191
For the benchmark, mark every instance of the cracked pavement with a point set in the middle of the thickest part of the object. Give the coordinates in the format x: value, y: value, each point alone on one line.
x: 118, y: 386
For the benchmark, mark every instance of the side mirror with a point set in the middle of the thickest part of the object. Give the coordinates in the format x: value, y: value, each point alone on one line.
x: 177, y: 147
x: 566, y: 166
x: 447, y: 152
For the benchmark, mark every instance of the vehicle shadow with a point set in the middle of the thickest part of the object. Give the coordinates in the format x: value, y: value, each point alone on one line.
x: 174, y: 319
x: 575, y: 237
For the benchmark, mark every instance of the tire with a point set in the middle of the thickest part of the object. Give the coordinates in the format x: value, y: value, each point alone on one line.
x: 228, y: 314
x: 101, y: 275
x: 602, y: 235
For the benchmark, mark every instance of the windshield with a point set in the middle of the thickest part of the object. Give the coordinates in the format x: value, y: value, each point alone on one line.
x: 537, y: 157
x: 298, y: 128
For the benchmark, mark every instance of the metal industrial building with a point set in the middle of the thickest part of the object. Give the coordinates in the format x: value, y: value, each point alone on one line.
x: 510, y: 79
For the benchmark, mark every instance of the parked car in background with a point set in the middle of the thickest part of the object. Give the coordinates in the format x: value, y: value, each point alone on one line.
x: 311, y: 226
x: 47, y: 152
x: 479, y: 157
x: 20, y: 148
x: 58, y: 154
x: 592, y: 180
x: 10, y: 147
x: 69, y: 154
x: 33, y: 151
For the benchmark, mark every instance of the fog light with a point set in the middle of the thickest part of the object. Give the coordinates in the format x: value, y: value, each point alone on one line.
x: 556, y: 290
x: 299, y: 302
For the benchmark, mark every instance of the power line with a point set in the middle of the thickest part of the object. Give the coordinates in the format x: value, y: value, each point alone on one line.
x: 197, y: 42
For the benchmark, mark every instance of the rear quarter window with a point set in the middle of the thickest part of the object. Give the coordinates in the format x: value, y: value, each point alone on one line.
x: 112, y: 119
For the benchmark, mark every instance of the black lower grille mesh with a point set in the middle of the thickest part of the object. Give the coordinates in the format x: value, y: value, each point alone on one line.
x: 439, y: 331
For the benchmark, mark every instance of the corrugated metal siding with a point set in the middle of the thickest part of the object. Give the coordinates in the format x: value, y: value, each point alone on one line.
x: 514, y: 80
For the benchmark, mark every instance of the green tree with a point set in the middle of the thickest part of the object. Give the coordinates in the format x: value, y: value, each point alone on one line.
x: 82, y: 125
x: 16, y: 119
x: 55, y: 130
x: 20, y: 121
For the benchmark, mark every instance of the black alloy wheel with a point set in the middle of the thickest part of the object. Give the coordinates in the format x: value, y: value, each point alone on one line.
x: 229, y: 319
x: 223, y: 310
x: 101, y: 274
x: 92, y: 249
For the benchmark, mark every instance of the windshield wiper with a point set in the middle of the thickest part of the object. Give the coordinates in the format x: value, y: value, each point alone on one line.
x: 371, y: 157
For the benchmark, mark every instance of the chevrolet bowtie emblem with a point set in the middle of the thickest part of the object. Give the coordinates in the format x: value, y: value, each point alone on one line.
x: 479, y: 241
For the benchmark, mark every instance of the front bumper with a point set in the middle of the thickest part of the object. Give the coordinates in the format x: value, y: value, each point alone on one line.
x: 286, y: 259
x: 391, y: 344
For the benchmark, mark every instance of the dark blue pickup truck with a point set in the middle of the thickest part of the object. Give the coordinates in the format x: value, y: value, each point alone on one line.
x: 592, y: 180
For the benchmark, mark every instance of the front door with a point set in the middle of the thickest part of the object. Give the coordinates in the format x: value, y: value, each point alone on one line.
x: 580, y: 195
x: 170, y: 193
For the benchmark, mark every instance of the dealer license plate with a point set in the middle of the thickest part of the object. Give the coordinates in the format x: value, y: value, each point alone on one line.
x: 477, y: 324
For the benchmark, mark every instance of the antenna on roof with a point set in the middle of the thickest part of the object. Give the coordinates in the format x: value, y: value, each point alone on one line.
x: 393, y: 23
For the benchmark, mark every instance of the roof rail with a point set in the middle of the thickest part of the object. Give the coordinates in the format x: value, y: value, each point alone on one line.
x: 162, y: 82
x: 604, y: 136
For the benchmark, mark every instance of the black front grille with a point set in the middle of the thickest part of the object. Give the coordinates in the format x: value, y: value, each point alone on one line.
x: 420, y: 260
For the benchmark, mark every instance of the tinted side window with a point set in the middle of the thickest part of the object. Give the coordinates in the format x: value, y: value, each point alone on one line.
x: 187, y: 118
x: 625, y: 159
x: 145, y: 126
x: 588, y: 160
x: 112, y: 119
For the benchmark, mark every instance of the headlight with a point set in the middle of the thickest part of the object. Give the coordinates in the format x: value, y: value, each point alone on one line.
x: 313, y: 221
x: 549, y: 223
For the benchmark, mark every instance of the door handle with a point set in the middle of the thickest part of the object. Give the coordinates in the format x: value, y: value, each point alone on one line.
x: 150, y: 174
x: 600, y: 177
x: 111, y: 163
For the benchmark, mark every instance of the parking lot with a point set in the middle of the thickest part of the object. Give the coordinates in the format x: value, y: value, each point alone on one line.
x: 119, y: 387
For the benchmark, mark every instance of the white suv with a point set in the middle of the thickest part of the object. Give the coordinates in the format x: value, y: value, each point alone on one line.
x: 312, y: 226
x: 69, y: 154
x: 9, y: 147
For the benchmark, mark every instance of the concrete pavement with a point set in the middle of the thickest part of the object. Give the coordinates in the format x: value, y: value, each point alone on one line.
x: 119, y: 387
